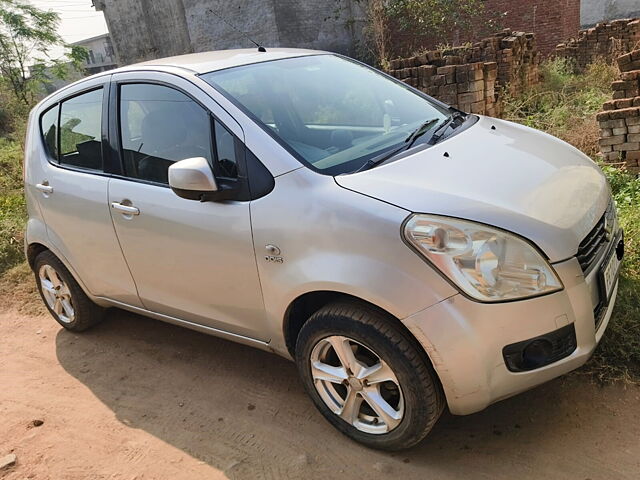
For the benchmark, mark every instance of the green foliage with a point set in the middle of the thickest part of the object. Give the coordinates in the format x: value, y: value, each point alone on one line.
x: 10, y: 165
x: 561, y: 96
x: 12, y: 205
x: 564, y: 104
x: 435, y: 17
x: 419, y: 20
x: 27, y: 35
x: 625, y: 187
x: 618, y: 355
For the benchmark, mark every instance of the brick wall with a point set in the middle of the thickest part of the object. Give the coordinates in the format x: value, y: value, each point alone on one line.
x: 620, y: 120
x: 473, y: 79
x: 552, y: 21
x: 606, y: 40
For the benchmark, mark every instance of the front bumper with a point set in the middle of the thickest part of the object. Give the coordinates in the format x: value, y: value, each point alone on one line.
x: 465, y: 339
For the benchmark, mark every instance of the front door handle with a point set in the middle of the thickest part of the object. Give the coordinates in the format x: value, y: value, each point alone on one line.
x: 126, y: 209
x: 44, y: 187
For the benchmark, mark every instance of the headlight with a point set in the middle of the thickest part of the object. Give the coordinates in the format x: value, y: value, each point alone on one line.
x: 487, y: 264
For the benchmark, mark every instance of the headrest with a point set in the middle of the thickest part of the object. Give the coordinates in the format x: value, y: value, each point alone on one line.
x: 162, y: 129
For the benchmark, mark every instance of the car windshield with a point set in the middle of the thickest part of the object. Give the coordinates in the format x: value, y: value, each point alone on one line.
x: 333, y: 114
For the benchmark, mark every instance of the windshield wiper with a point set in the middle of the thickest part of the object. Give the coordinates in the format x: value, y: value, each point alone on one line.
x: 418, y: 132
x: 408, y: 143
x: 442, y: 128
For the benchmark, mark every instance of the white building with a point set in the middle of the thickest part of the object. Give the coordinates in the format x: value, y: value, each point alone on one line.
x: 594, y: 11
x: 102, y: 56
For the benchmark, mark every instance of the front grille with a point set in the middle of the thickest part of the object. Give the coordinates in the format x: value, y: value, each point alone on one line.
x: 594, y: 242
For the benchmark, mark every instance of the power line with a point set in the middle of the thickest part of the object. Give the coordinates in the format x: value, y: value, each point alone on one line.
x: 73, y: 11
x: 77, y: 18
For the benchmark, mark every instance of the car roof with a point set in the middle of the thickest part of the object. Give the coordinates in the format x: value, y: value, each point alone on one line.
x: 204, y: 62
x: 197, y: 63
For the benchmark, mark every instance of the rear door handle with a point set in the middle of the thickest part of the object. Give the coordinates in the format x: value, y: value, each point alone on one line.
x: 126, y: 209
x: 44, y: 187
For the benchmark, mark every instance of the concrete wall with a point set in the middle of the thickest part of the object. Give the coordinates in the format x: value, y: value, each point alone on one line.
x: 594, y: 11
x: 147, y: 29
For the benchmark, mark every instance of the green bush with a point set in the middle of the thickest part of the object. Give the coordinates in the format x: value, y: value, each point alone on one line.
x: 618, y: 355
x: 12, y: 205
x: 565, y: 104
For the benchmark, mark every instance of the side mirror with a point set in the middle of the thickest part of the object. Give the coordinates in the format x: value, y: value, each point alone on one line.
x: 192, y: 179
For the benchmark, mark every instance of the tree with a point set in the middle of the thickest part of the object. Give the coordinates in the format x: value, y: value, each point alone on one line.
x: 27, y: 35
x: 377, y: 31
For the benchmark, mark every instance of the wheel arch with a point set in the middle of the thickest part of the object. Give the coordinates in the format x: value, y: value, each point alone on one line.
x: 33, y: 250
x: 306, y: 304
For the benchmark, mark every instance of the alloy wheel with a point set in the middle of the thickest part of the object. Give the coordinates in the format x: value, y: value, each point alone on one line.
x: 357, y: 385
x: 56, y: 293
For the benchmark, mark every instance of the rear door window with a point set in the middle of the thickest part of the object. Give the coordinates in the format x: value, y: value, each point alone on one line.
x: 80, y: 142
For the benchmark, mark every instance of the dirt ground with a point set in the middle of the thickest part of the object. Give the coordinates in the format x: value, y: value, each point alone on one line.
x: 138, y: 399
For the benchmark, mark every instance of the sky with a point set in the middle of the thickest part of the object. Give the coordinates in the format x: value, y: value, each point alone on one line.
x: 78, y: 20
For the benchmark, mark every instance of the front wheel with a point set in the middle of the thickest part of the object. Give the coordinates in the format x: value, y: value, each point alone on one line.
x: 368, y: 376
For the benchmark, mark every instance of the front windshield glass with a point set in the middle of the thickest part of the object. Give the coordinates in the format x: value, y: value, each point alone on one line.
x: 332, y: 113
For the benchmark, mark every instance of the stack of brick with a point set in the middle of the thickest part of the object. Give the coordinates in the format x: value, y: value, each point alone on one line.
x: 469, y: 87
x: 605, y: 40
x: 473, y: 78
x: 518, y: 60
x: 620, y: 120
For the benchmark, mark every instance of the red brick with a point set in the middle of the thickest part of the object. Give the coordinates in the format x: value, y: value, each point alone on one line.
x: 615, y: 140
x: 624, y: 113
x: 623, y: 147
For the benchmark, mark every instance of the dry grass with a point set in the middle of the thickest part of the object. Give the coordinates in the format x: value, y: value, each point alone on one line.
x: 18, y: 291
x: 584, y: 135
x: 565, y: 104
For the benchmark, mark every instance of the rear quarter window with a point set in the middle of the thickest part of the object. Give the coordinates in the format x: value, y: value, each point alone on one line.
x: 80, y: 131
x: 49, y: 131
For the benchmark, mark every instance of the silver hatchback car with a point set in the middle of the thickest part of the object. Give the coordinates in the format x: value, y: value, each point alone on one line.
x: 407, y: 256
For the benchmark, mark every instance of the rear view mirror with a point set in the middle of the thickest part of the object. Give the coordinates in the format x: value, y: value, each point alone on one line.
x: 192, y: 179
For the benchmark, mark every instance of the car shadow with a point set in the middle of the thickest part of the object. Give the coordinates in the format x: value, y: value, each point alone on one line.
x: 242, y: 411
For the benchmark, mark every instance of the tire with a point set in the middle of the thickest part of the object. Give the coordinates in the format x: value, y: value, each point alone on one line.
x: 63, y: 297
x: 411, y: 390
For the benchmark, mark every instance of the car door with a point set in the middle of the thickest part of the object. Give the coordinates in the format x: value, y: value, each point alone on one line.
x: 71, y: 188
x: 191, y: 260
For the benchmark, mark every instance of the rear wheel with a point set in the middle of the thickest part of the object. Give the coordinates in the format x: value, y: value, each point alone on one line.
x: 63, y: 297
x: 368, y: 376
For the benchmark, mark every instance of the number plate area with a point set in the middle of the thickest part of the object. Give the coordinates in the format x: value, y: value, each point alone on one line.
x: 609, y: 271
